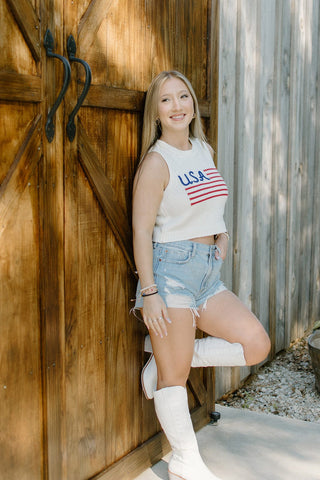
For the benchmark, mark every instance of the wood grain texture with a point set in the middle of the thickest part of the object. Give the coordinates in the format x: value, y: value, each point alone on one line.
x: 91, y: 21
x: 52, y: 275
x: 315, y: 258
x: 279, y: 177
x: 21, y: 419
x: 20, y: 87
x: 115, y: 98
x: 148, y: 453
x: 295, y: 171
x: 106, y: 196
x: 226, y: 124
x: 122, y: 99
x: 15, y: 121
x: 309, y: 160
x: 85, y: 293
x: 269, y: 62
x: 16, y: 52
x: 29, y: 24
x: 21, y: 168
x: 263, y: 135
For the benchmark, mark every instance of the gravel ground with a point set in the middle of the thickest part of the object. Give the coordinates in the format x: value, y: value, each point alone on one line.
x: 285, y: 387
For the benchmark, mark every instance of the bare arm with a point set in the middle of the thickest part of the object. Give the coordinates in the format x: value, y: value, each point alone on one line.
x: 149, y: 184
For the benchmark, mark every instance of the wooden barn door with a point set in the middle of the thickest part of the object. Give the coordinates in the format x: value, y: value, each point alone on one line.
x: 31, y: 243
x: 70, y: 352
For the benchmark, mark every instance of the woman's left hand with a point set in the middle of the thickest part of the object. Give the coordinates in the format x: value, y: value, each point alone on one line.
x: 222, y: 243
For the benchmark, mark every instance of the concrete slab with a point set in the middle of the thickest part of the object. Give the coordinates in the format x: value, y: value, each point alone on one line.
x: 247, y: 445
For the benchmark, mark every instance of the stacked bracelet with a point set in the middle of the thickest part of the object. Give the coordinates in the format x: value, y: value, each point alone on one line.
x: 147, y: 288
x: 150, y: 290
x: 149, y: 294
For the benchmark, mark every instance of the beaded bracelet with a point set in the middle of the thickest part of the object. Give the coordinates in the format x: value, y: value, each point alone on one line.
x: 147, y: 288
x: 149, y: 294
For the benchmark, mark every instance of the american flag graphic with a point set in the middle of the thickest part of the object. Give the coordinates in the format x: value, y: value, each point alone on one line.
x: 202, y: 191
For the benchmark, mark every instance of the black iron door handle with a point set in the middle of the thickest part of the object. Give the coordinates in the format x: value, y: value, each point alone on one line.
x: 49, y: 46
x: 71, y: 49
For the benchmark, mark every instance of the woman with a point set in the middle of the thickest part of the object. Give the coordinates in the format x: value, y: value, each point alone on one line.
x: 180, y: 241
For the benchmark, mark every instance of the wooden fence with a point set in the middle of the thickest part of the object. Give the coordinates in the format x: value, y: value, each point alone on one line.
x: 268, y: 151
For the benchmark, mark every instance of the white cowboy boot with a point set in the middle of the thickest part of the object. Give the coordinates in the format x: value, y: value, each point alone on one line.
x: 208, y: 352
x: 149, y: 377
x: 171, y: 405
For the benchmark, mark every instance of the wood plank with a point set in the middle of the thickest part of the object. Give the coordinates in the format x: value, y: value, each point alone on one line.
x: 210, y: 385
x: 226, y: 124
x: 21, y: 419
x: 227, y: 378
x: 52, y: 276
x: 29, y: 24
x: 90, y: 23
x: 205, y: 109
x: 263, y: 134
x: 244, y: 152
x: 87, y: 312
x: 17, y: 87
x: 196, y: 386
x: 21, y: 168
x: 315, y: 259
x: 308, y: 160
x: 148, y: 453
x: 106, y: 197
x: 294, y: 171
x: 103, y: 96
x: 123, y: 350
x: 15, y: 121
x: 244, y: 156
x: 85, y: 302
x: 116, y: 98
x: 279, y: 183
x: 86, y: 305
x: 213, y: 73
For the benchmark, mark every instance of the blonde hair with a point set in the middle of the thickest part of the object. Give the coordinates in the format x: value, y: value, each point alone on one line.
x: 151, y: 131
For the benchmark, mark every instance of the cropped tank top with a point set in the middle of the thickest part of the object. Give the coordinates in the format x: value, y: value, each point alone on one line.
x: 194, y: 199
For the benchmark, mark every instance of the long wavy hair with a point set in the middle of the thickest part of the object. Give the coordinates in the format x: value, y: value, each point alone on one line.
x: 151, y: 130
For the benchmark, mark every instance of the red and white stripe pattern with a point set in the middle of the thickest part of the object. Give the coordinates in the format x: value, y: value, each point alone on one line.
x: 215, y: 187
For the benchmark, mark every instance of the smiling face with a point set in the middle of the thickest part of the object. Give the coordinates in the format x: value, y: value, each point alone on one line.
x: 175, y: 106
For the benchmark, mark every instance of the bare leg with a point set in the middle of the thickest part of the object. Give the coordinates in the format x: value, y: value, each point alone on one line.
x: 173, y: 354
x: 227, y: 317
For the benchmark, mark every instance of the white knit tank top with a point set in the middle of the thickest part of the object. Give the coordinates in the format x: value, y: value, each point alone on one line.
x: 194, y: 199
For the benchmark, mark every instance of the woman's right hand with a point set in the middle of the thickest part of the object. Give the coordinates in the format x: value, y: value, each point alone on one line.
x: 155, y: 314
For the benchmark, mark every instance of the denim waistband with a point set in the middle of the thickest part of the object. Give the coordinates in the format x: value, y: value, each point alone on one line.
x: 189, y: 246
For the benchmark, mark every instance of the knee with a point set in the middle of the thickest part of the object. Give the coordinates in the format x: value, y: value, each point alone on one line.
x: 258, y: 347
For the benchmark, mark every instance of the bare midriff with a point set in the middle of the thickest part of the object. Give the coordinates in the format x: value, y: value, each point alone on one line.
x: 209, y: 240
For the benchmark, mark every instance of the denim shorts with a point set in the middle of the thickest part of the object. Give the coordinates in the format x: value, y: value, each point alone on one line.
x: 187, y: 274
